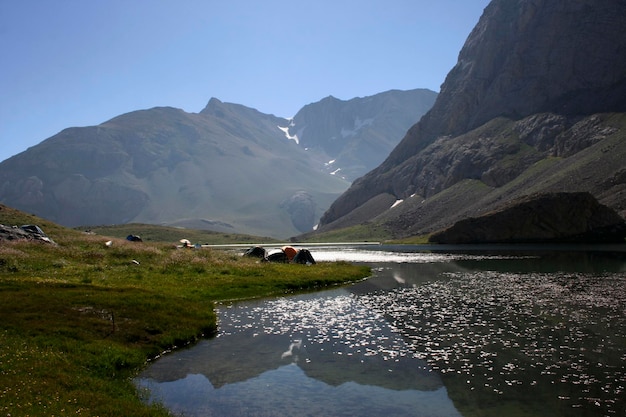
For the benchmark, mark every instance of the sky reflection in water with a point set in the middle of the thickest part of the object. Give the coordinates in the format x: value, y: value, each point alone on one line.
x: 430, y: 335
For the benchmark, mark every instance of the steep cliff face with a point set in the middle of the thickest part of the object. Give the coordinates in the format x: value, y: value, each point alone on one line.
x: 528, y: 73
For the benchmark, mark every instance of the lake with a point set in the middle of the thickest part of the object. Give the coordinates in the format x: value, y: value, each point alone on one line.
x: 436, y: 331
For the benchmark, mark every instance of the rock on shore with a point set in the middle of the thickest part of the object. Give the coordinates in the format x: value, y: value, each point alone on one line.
x: 542, y: 218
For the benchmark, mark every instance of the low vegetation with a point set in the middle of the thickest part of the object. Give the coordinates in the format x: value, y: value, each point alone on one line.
x: 80, y: 319
x: 366, y: 232
x: 412, y: 240
x: 152, y: 233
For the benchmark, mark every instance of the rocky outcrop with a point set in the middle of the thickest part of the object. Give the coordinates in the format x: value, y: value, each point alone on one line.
x: 546, y: 218
x: 26, y: 232
x: 301, y: 208
x: 544, y: 67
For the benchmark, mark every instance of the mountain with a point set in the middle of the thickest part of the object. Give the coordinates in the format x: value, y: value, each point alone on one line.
x: 353, y: 137
x: 229, y: 168
x: 534, y: 104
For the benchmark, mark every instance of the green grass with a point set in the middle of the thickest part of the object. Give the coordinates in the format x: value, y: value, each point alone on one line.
x: 154, y: 233
x: 80, y: 319
x: 367, y: 232
x: 413, y: 240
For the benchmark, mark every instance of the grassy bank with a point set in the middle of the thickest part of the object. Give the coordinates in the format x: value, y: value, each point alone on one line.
x: 78, y: 320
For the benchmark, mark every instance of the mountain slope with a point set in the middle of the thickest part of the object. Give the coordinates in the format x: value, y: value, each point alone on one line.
x: 535, y: 84
x: 221, y: 168
x: 353, y: 137
x: 229, y: 168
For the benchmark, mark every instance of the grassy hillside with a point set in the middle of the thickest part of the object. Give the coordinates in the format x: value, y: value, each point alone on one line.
x: 80, y: 319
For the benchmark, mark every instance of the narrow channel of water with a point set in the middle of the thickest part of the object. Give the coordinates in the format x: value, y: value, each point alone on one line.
x: 462, y: 332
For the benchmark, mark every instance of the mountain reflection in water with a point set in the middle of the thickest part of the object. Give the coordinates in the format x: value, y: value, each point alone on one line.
x: 331, y: 346
x: 488, y: 332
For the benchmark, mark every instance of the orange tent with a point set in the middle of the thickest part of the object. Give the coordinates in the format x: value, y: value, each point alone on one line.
x: 289, y: 251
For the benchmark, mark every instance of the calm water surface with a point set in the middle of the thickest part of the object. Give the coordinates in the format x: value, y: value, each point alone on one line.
x: 523, y: 331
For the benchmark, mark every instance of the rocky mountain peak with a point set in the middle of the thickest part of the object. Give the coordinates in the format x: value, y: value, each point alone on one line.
x: 531, y: 56
x: 212, y: 106
x: 534, y: 56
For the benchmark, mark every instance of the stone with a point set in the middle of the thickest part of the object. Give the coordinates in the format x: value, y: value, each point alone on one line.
x: 301, y: 208
x: 26, y: 232
x: 543, y: 218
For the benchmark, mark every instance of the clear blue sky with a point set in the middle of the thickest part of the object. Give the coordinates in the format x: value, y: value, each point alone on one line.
x: 68, y: 63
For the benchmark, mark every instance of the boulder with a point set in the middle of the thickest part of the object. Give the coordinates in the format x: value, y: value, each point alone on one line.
x: 542, y: 218
x: 25, y: 232
x: 301, y: 207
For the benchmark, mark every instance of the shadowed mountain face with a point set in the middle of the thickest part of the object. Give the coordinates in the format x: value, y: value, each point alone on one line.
x: 228, y: 168
x: 529, y: 107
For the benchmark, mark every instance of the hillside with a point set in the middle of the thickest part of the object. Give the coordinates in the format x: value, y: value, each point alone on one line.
x: 535, y: 103
x: 228, y: 169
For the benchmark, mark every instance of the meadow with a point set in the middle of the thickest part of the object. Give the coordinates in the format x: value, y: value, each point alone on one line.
x: 81, y: 318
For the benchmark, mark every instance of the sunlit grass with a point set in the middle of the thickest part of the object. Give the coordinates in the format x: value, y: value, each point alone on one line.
x: 80, y: 319
x: 358, y: 233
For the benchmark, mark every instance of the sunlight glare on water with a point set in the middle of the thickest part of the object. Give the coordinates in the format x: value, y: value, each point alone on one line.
x: 558, y: 336
x: 359, y: 255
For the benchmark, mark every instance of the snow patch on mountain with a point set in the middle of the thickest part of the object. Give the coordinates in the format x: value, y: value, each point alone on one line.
x: 288, y: 136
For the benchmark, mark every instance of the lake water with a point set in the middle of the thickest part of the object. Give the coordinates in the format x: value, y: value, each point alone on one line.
x: 465, y: 331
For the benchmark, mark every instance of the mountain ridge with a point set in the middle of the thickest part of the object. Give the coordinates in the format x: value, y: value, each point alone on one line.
x: 228, y: 168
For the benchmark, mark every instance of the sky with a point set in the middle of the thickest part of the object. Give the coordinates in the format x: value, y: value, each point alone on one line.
x: 68, y: 63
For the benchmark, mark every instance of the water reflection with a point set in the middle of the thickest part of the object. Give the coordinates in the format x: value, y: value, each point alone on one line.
x: 487, y: 332
x: 286, y: 391
x: 349, y: 359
